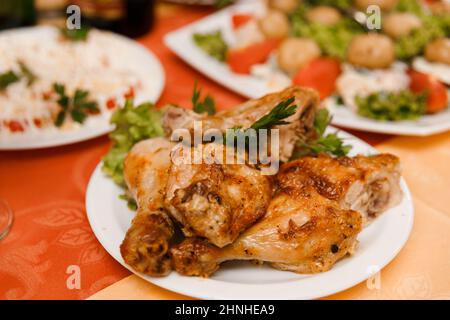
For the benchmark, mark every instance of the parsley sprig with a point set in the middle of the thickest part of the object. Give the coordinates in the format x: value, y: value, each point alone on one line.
x: 78, y: 106
x: 27, y: 73
x: 330, y: 143
x: 207, y: 105
x: 7, y: 78
x: 275, y: 117
x: 10, y: 77
x: 79, y: 34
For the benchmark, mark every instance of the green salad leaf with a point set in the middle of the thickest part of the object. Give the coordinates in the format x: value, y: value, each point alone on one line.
x: 212, y: 43
x: 333, y: 40
x: 413, y: 44
x: 133, y: 124
x: 392, y: 106
x: 411, y: 6
x: 341, y: 4
x: 219, y: 4
x: 323, y: 143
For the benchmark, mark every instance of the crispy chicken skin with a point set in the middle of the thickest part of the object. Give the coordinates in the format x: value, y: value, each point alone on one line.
x: 244, y: 115
x: 216, y: 201
x: 302, y: 232
x: 369, y: 185
x: 311, y: 222
x: 147, y: 242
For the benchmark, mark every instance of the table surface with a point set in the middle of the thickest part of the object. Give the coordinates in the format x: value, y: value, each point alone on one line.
x: 46, y: 189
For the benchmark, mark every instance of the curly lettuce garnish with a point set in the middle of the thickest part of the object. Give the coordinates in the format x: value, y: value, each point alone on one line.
x: 392, y: 106
x: 212, y: 43
x: 413, y: 44
x: 333, y: 40
x: 133, y: 124
x: 341, y: 4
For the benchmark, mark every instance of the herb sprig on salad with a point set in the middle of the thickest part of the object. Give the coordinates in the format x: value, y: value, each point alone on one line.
x: 77, y: 107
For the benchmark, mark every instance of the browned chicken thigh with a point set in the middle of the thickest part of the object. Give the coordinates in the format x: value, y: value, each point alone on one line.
x: 243, y: 116
x: 302, y: 232
x: 369, y: 185
x: 311, y: 222
x: 146, y: 244
x: 216, y: 201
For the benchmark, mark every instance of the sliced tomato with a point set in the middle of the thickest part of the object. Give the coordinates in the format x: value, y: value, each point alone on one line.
x: 437, y: 98
x: 240, y: 19
x: 320, y: 74
x: 242, y: 59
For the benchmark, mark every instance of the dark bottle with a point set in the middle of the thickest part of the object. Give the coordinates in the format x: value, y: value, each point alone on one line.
x: 133, y: 18
x: 16, y: 13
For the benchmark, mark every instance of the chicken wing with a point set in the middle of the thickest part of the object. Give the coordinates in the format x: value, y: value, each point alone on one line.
x: 146, y: 244
x: 214, y: 200
x: 311, y: 222
x: 369, y: 185
x: 244, y: 115
x: 301, y: 232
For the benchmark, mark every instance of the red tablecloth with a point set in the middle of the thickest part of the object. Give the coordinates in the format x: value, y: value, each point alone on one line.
x: 46, y: 189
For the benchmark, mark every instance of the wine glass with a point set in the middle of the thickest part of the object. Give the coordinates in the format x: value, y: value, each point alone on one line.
x: 6, y: 218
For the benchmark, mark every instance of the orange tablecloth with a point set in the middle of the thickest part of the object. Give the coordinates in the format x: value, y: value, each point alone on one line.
x: 46, y: 189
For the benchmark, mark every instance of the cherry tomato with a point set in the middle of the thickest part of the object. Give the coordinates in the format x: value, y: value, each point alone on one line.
x: 437, y: 98
x: 242, y: 59
x: 320, y: 74
x: 240, y: 19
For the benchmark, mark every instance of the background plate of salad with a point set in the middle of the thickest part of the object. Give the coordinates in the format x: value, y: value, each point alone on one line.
x: 389, y: 81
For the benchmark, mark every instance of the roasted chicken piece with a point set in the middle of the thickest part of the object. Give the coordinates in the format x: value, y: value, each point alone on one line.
x: 369, y: 185
x: 302, y: 232
x: 214, y: 200
x: 244, y: 115
x: 311, y: 222
x: 147, y: 242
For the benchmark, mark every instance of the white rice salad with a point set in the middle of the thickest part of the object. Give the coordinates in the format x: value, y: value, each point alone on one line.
x: 100, y: 65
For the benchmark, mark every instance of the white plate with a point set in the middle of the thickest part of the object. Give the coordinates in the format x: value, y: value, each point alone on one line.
x: 140, y: 57
x: 424, y: 126
x: 379, y: 244
x: 180, y: 42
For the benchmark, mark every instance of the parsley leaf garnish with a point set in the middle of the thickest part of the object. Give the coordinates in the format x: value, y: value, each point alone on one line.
x: 80, y: 34
x: 78, y: 106
x: 8, y: 78
x: 275, y: 117
x: 27, y: 73
x: 207, y: 105
x: 330, y: 143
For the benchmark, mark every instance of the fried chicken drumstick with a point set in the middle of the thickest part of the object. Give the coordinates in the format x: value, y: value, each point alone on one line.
x: 147, y: 242
x: 309, y: 224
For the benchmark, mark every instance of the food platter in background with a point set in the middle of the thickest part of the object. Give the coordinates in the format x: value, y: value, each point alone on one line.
x: 108, y: 66
x: 250, y: 85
